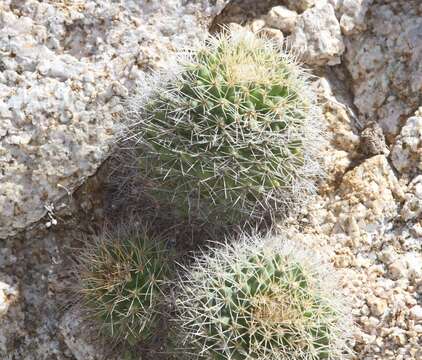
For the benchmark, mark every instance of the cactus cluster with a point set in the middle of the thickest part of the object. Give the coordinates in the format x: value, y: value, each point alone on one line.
x: 262, y: 299
x: 122, y: 275
x: 233, y: 131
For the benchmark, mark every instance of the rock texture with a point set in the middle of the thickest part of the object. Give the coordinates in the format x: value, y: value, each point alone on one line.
x: 367, y: 217
x: 317, y: 35
x: 385, y: 62
x: 407, y: 150
x: 65, y: 66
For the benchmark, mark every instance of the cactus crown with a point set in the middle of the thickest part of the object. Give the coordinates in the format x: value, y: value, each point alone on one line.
x: 121, y: 280
x: 235, y: 131
x: 262, y: 301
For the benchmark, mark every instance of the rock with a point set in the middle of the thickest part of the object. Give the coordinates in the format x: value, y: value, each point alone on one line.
x: 398, y: 269
x: 367, y: 198
x: 385, y: 63
x: 279, y: 17
x: 317, y: 36
x: 414, y: 265
x: 377, y: 306
x: 274, y: 34
x: 416, y: 313
x: 406, y: 154
x: 353, y: 15
x: 8, y: 295
x: 257, y: 25
x: 388, y: 255
x: 300, y: 5
x: 75, y: 336
x: 412, y: 207
x: 66, y: 68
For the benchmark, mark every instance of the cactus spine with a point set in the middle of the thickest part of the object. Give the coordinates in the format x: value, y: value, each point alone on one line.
x: 121, y: 277
x: 262, y: 300
x: 233, y: 132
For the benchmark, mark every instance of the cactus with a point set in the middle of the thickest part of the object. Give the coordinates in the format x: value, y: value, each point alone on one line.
x: 121, y: 277
x: 262, y: 299
x: 232, y: 131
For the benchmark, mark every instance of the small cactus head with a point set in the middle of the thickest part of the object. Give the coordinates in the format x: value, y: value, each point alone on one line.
x: 234, y: 132
x: 262, y: 301
x: 121, y: 277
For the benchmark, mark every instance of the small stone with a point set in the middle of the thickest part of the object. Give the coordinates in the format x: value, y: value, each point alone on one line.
x: 279, y: 17
x: 257, y: 25
x: 318, y: 36
x: 414, y: 265
x: 377, y: 306
x: 8, y: 295
x: 398, y: 269
x: 407, y: 151
x: 416, y: 313
x: 274, y: 34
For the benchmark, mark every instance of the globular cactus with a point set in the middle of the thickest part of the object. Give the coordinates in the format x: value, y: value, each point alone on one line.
x: 263, y: 299
x: 121, y: 280
x: 232, y: 131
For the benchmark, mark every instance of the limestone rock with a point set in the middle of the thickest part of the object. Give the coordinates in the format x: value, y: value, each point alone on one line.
x: 385, y: 63
x: 378, y: 306
x: 279, y: 17
x: 8, y: 295
x: 317, y: 36
x: 66, y: 67
x: 367, y: 197
x: 74, y: 333
x: 407, y: 151
x: 412, y: 208
x: 416, y: 313
x: 353, y: 15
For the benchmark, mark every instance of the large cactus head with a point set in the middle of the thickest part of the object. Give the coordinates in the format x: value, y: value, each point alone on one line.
x: 262, y: 301
x: 234, y: 131
x: 122, y: 275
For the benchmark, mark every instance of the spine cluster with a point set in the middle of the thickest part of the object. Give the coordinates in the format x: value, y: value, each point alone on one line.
x: 231, y: 132
x: 235, y: 133
x: 262, y: 299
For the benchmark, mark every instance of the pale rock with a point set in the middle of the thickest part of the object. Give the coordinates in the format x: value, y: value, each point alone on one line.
x: 414, y: 265
x: 388, y: 255
x: 367, y: 198
x: 353, y: 15
x: 8, y: 295
x: 317, y: 36
x: 74, y: 335
x: 398, y: 269
x: 273, y: 34
x: 339, y: 117
x: 385, y: 63
x: 416, y: 313
x: 406, y: 154
x: 412, y: 208
x: 279, y: 17
x: 258, y: 25
x: 66, y: 68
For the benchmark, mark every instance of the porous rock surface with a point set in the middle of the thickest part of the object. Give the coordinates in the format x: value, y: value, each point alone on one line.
x: 385, y: 62
x: 317, y: 35
x: 64, y: 68
x: 407, y: 150
x: 367, y: 216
